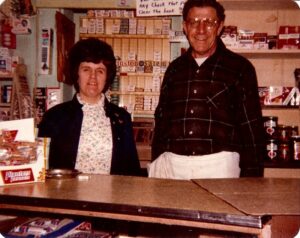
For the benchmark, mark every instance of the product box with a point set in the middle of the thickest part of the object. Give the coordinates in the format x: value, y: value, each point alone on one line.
x: 4, y: 113
x: 272, y: 41
x: 260, y: 40
x: 5, y: 64
x: 289, y: 37
x: 23, y: 158
x: 245, y: 39
x: 177, y: 36
x: 279, y: 96
x: 40, y: 102
x: 44, y: 227
x: 229, y: 36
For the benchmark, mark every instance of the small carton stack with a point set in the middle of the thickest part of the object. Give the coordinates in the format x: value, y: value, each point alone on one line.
x: 289, y: 37
x: 23, y: 158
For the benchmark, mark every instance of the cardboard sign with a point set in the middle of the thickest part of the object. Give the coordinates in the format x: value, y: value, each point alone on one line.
x: 159, y: 7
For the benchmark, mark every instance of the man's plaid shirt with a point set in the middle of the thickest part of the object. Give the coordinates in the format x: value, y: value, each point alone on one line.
x: 211, y: 108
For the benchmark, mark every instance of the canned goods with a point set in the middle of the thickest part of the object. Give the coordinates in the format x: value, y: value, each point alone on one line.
x: 284, y: 152
x: 294, y: 131
x: 270, y: 124
x: 272, y: 149
x: 295, y: 147
x: 283, y: 133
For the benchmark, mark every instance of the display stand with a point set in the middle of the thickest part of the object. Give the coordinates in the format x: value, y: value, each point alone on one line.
x: 21, y: 104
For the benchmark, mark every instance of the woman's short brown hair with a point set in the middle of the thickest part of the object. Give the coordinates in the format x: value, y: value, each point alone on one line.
x: 91, y: 50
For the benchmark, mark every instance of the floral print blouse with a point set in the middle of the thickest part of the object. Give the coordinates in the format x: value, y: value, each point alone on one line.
x: 95, y: 143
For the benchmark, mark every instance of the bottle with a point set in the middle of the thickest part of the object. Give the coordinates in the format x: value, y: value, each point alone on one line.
x: 270, y: 125
x: 295, y: 147
x: 272, y: 150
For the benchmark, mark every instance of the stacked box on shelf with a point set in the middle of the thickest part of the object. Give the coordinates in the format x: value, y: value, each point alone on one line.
x: 40, y: 102
x: 6, y: 91
x: 142, y: 49
x: 289, y: 37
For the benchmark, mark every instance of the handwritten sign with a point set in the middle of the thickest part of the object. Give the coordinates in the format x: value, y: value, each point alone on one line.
x: 159, y: 7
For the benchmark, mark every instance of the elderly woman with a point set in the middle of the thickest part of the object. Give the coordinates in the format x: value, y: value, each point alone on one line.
x: 89, y: 133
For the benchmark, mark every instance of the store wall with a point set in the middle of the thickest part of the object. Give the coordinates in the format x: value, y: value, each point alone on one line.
x: 29, y: 48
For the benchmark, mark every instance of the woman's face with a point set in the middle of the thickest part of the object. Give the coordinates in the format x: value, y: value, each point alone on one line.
x: 91, y: 81
x: 202, y: 28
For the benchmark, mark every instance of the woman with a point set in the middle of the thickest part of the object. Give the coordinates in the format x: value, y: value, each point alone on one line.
x: 89, y: 133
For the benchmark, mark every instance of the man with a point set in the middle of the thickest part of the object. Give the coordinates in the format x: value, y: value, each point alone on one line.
x: 208, y: 122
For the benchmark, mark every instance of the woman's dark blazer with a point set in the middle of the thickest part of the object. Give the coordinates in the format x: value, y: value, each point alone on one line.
x: 62, y: 124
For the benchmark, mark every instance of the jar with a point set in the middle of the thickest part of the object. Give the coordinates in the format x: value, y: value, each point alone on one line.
x: 284, y: 151
x: 283, y: 133
x: 294, y: 131
x: 272, y: 150
x: 295, y: 147
x: 270, y: 125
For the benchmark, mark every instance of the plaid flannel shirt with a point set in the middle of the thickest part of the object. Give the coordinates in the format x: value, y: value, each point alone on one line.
x: 211, y: 108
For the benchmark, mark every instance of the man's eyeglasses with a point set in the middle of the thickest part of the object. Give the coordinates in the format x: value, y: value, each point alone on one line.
x: 208, y: 22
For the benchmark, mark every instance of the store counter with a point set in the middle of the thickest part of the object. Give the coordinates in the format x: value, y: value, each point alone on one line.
x: 235, y: 205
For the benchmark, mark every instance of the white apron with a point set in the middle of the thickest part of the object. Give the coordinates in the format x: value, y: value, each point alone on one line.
x: 218, y: 165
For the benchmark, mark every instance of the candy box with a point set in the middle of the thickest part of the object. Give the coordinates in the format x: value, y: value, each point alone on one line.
x: 21, y: 161
x: 279, y: 96
x: 45, y: 227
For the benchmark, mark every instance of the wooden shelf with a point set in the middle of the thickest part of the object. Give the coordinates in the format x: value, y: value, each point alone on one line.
x: 126, y: 36
x: 275, y: 107
x: 276, y: 53
x: 134, y: 93
x: 109, y: 4
x: 6, y: 77
x: 2, y: 104
x: 86, y: 4
x: 258, y: 4
x: 295, y: 164
x: 139, y: 74
x: 273, y: 51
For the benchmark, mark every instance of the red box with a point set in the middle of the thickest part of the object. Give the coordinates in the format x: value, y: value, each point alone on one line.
x: 289, y: 37
x: 279, y: 95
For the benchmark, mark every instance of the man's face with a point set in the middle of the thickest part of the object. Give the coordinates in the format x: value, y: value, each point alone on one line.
x: 202, y: 27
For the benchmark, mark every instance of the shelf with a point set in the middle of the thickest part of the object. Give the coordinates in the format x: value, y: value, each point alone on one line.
x: 4, y: 104
x: 277, y: 53
x: 287, y: 53
x: 282, y: 164
x: 109, y: 4
x: 139, y: 74
x: 264, y: 51
x: 86, y: 4
x: 278, y: 107
x: 126, y: 36
x: 258, y: 4
x: 134, y: 93
x: 142, y: 114
x: 6, y: 77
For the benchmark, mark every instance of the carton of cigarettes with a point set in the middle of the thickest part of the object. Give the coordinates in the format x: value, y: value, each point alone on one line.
x: 289, y: 37
x: 245, y: 39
